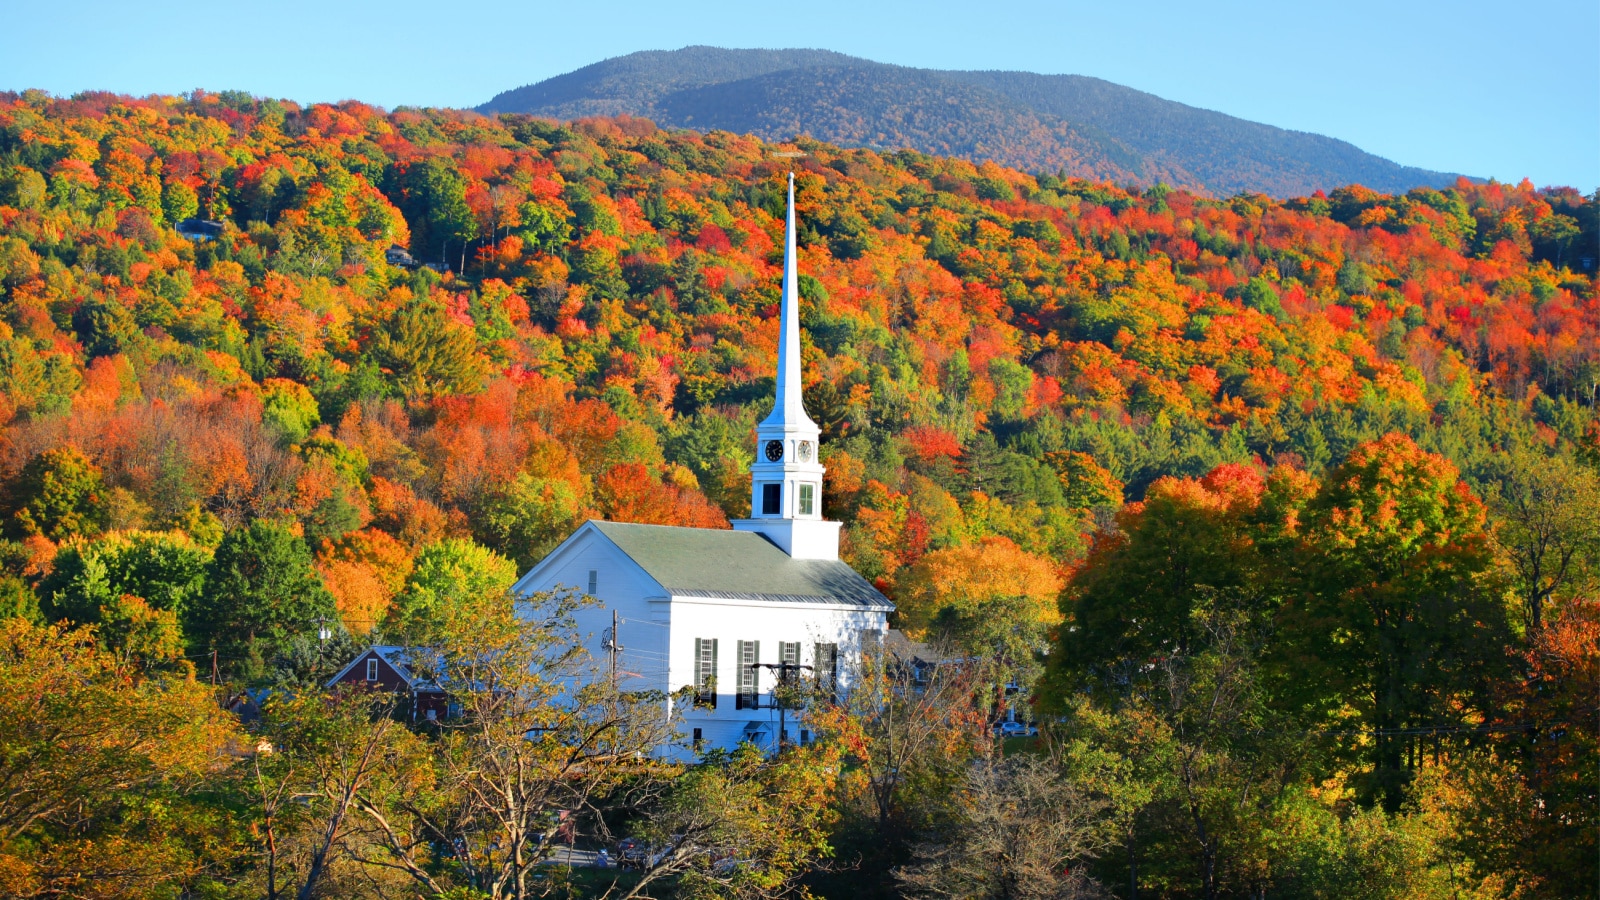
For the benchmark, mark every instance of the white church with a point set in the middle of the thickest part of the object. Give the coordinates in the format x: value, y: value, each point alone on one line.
x: 730, y: 613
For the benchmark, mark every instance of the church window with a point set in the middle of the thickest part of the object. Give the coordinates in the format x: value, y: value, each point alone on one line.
x: 807, y: 498
x: 705, y: 672
x: 825, y: 666
x: 699, y: 739
x: 594, y: 581
x: 771, y: 499
x: 748, y: 696
x: 788, y: 673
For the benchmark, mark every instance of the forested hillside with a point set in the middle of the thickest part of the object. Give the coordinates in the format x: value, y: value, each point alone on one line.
x: 1279, y: 452
x: 1067, y: 124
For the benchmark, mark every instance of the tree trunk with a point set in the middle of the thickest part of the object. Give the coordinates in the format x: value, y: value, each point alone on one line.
x: 1133, y: 869
x: 272, y: 861
x: 1390, y: 763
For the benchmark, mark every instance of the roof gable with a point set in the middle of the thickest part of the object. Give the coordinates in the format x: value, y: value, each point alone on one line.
x: 585, y: 536
x: 396, y: 659
x: 362, y: 657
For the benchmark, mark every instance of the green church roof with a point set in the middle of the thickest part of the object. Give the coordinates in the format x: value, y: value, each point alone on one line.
x: 738, y: 565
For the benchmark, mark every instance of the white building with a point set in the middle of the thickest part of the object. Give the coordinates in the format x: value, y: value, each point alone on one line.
x: 728, y: 612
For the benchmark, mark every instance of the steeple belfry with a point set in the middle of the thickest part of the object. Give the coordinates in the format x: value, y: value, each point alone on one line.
x: 786, y: 477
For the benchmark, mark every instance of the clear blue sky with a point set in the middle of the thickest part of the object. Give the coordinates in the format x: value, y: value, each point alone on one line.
x: 1504, y: 90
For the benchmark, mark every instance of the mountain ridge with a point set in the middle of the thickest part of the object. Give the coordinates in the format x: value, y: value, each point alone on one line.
x: 1076, y: 124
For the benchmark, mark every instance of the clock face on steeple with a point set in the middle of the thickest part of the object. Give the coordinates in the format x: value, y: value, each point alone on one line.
x: 774, y: 451
x: 803, y: 449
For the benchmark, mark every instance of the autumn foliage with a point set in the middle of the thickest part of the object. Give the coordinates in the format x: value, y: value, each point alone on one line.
x: 412, y: 351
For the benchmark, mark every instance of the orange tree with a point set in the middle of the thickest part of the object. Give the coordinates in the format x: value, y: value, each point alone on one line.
x: 1549, y: 727
x: 1398, y: 617
x: 1132, y: 599
x: 907, y: 737
x: 991, y: 597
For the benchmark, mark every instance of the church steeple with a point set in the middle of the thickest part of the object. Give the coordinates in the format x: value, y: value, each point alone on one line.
x: 789, y: 408
x: 786, y: 477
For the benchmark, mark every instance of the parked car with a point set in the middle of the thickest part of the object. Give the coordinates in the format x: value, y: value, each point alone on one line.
x: 633, y: 853
x: 1015, y: 729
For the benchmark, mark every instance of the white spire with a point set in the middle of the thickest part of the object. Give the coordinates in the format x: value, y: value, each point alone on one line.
x: 790, y: 408
x: 786, y: 476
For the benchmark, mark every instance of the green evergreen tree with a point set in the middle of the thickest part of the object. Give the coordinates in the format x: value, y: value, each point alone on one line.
x: 104, y: 327
x: 260, y: 590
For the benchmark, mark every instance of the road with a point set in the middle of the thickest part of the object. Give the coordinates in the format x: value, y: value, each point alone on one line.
x: 570, y: 856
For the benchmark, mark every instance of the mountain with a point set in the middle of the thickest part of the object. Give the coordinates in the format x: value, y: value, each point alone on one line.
x: 1085, y: 126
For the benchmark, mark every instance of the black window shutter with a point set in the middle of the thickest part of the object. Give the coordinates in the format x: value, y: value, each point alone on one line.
x: 789, y: 657
x: 749, y: 685
x: 825, y: 666
x: 705, y: 676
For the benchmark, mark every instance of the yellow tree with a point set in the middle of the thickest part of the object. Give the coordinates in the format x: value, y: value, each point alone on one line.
x: 741, y: 823
x: 991, y: 597
x: 96, y: 760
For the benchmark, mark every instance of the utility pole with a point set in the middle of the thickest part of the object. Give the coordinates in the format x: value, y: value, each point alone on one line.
x: 783, y: 727
x: 613, y: 647
x: 780, y: 699
x: 323, y: 633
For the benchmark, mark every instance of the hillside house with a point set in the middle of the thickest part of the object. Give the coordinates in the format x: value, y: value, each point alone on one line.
x: 196, y: 229
x: 399, y: 256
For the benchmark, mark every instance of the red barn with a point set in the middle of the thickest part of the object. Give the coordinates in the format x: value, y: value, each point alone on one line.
x: 391, y: 669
